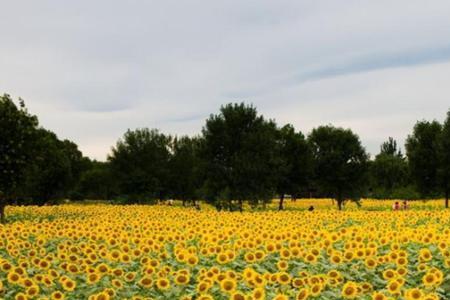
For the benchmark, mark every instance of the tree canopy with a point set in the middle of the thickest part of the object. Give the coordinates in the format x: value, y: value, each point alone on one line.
x: 444, y: 159
x: 389, y: 170
x: 295, y: 165
x: 17, y: 137
x: 340, y: 163
x: 239, y: 157
x: 239, y: 150
x: 422, y: 148
x: 140, y: 164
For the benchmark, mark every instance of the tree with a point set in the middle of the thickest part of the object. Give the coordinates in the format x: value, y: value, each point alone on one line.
x: 390, y: 148
x: 340, y: 163
x: 49, y: 174
x: 422, y: 149
x: 17, y: 133
x: 78, y: 164
x: 185, y: 168
x: 239, y: 153
x: 294, y: 163
x: 389, y: 169
x: 444, y: 158
x: 97, y: 182
x: 139, y: 163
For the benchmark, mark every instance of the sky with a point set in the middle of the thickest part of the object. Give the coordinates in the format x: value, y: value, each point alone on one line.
x: 90, y: 70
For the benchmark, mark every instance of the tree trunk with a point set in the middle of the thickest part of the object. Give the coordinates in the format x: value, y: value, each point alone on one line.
x: 240, y: 205
x: 230, y: 205
x: 280, y: 206
x: 2, y: 213
x: 339, y: 202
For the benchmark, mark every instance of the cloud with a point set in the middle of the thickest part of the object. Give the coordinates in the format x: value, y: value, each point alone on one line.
x: 92, y: 69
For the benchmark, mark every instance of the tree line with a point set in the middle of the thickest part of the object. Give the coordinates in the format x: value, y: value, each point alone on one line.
x: 239, y: 157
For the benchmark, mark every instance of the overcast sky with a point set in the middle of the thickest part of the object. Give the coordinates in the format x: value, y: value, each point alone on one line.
x: 92, y: 69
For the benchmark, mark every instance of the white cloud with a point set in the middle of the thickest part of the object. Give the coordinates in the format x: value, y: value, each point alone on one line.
x: 92, y: 69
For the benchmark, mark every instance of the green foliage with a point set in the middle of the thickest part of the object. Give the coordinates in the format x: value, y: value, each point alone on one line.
x: 185, y: 168
x: 97, y: 182
x: 444, y: 159
x: 17, y: 137
x: 140, y: 164
x: 239, y: 152
x: 389, y: 171
x: 295, y: 165
x: 49, y: 174
x: 240, y: 156
x: 340, y: 161
x: 422, y: 148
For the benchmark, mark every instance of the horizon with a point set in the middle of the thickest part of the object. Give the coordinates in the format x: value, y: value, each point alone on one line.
x: 90, y: 71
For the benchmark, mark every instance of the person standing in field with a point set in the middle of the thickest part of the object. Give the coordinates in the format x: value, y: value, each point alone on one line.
x: 405, y: 205
x: 396, y: 206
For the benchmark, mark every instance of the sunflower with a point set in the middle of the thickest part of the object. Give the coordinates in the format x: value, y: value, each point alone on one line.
x: 429, y: 279
x: 102, y: 268
x: 370, y: 263
x: 5, y: 266
x: 163, y: 284
x: 283, y: 278
x: 203, y: 287
x: 237, y: 296
x: 129, y: 277
x: 249, y: 257
x: 350, y: 290
x: 336, y: 259
x: 228, y: 285
x: 181, y: 279
x: 316, y: 289
x: 282, y: 265
x: 32, y: 291
x: 280, y: 297
x: 413, y: 294
x: 258, y: 293
x: 69, y: 285
x: 394, y: 287
x: 21, y: 296
x: 192, y: 260
x: 92, y: 278
x: 222, y: 258
x: 13, y: 277
x: 146, y: 282
x: 102, y: 296
x: 302, y: 294
x: 57, y: 296
x: 425, y: 255
x: 378, y: 296
x: 389, y: 274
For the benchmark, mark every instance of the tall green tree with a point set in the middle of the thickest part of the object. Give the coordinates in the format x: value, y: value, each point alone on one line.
x: 444, y: 158
x: 78, y: 163
x: 340, y: 163
x: 239, y: 153
x: 389, y: 169
x: 49, y: 174
x: 185, y: 168
x: 97, y: 182
x: 17, y: 134
x: 140, y: 164
x: 295, y: 163
x: 422, y: 149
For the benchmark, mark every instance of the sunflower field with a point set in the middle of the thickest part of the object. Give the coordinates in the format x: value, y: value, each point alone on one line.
x: 104, y: 251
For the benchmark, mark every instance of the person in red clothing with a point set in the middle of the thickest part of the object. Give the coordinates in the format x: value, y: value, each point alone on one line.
x: 396, y: 206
